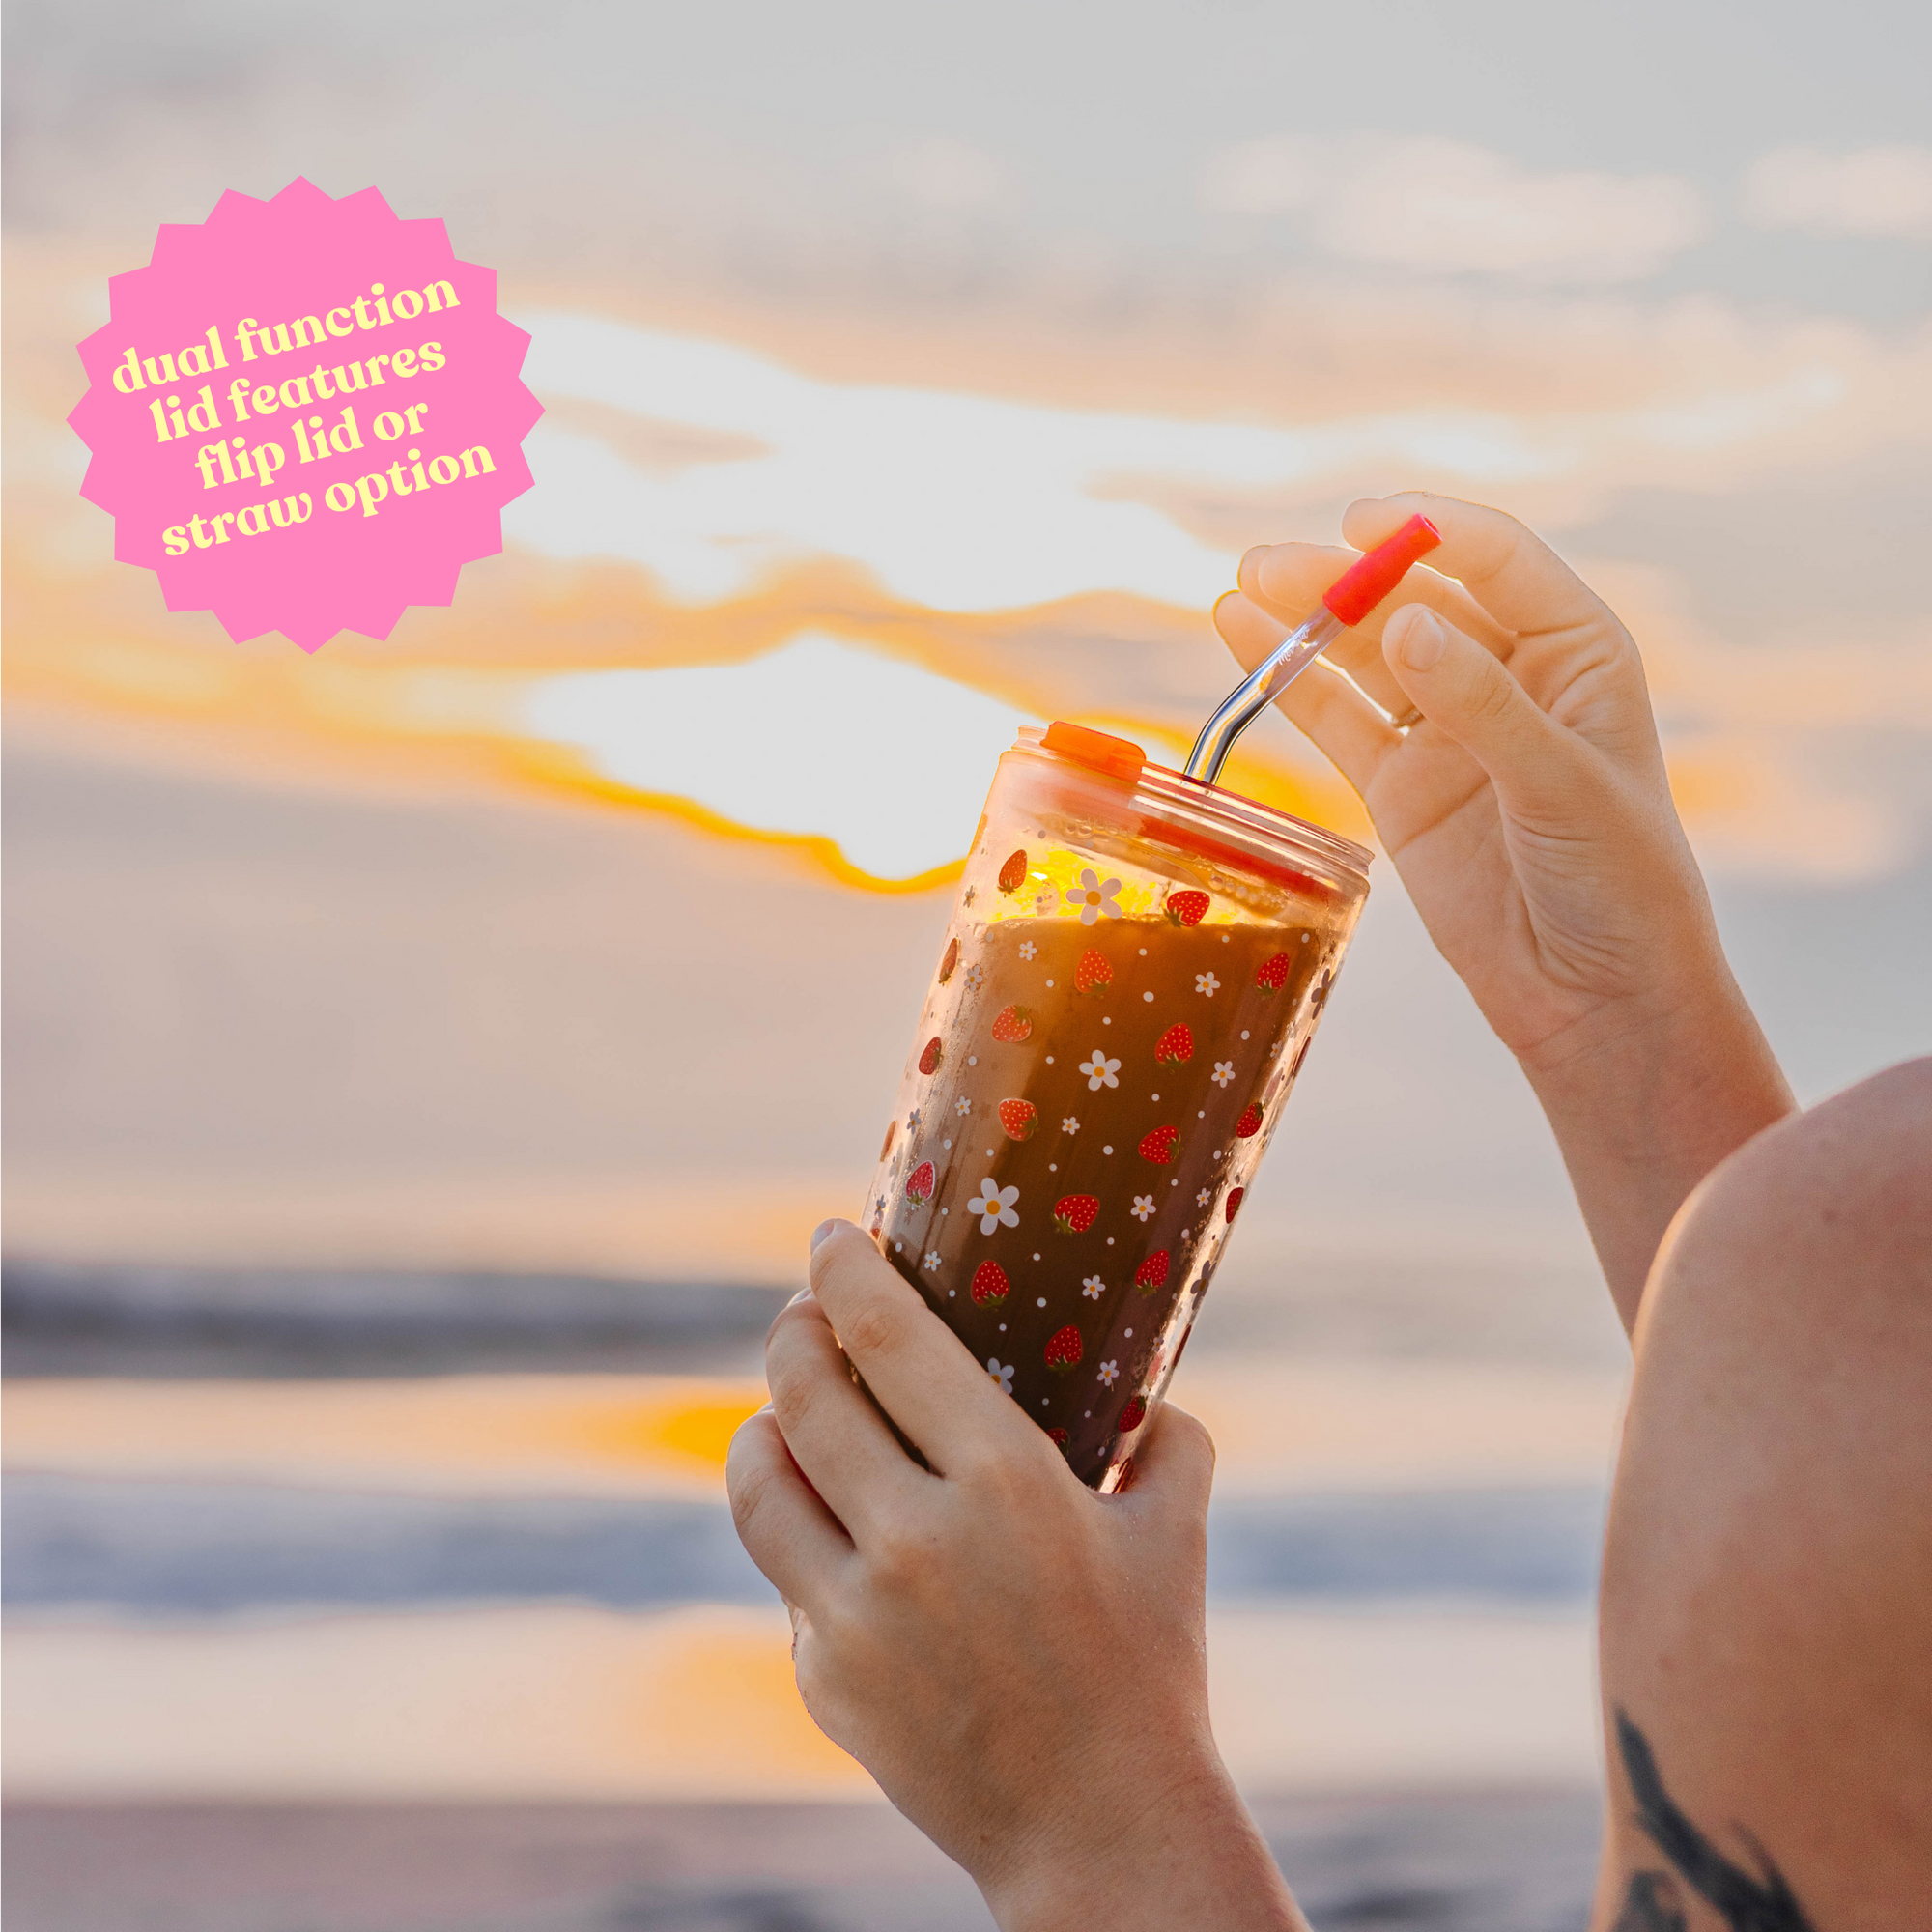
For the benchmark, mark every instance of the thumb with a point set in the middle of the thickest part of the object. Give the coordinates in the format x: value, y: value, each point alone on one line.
x: 1174, y: 1465
x: 1469, y: 693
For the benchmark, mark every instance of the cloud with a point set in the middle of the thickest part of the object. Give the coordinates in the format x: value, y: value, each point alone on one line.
x: 1272, y: 176
x: 1869, y: 191
x: 1453, y: 207
x: 1789, y: 759
x: 943, y: 172
x: 818, y: 738
x: 962, y: 501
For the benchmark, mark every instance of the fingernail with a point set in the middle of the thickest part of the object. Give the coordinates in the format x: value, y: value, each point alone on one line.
x: 1423, y: 642
x: 802, y: 1294
x: 819, y: 1232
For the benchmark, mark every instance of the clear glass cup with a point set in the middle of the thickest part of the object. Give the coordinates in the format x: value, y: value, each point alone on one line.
x: 1131, y: 977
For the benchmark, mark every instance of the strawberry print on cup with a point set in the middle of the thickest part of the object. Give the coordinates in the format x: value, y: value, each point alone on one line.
x: 1102, y: 1051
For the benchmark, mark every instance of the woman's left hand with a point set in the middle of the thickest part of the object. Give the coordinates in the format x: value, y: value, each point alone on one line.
x: 1019, y: 1661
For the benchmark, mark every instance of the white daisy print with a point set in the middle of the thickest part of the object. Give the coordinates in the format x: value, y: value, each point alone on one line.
x: 1099, y: 1071
x: 933, y: 1257
x: 1143, y: 1208
x: 1224, y: 1071
x: 975, y: 976
x: 912, y: 1121
x: 994, y: 1206
x: 1003, y: 1376
x: 1202, y: 1199
x: 1110, y: 1374
x: 1070, y: 1125
x: 1206, y: 982
x: 1093, y: 1287
x: 1028, y: 951
x: 962, y: 1106
x: 1095, y: 895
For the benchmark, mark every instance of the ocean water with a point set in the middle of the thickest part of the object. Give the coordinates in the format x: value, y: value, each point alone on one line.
x: 320, y: 1612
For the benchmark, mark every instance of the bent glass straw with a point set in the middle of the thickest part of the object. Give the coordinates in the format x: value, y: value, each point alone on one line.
x: 1344, y: 603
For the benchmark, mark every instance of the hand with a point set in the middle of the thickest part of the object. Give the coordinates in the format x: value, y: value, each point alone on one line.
x: 1019, y: 1661
x: 1530, y: 816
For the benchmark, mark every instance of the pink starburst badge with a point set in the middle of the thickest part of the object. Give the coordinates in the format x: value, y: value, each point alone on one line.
x: 305, y: 414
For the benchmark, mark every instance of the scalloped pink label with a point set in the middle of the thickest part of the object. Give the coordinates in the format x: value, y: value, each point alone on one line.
x: 305, y: 414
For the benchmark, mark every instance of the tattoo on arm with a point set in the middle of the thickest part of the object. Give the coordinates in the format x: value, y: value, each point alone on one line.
x: 1654, y: 1902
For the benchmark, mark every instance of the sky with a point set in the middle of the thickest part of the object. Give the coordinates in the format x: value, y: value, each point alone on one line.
x: 910, y: 378
x: 909, y: 374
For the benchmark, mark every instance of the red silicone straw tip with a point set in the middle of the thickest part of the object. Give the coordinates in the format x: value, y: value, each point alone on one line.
x: 1377, y: 572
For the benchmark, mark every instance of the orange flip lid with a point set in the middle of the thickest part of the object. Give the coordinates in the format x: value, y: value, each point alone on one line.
x: 1117, y: 757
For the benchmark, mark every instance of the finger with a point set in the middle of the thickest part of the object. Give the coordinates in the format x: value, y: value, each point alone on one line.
x: 1505, y: 566
x: 1533, y: 762
x: 1174, y: 1467
x: 1344, y: 725
x: 1290, y: 588
x: 831, y: 1425
x: 1288, y: 579
x: 1294, y: 575
x: 914, y: 1364
x: 786, y: 1530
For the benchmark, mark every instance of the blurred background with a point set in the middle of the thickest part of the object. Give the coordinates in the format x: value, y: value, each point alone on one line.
x: 426, y: 1061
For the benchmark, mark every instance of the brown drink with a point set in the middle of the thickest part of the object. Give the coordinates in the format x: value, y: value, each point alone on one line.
x: 1133, y: 972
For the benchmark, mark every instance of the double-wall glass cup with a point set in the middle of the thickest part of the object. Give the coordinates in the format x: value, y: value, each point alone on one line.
x: 1132, y: 974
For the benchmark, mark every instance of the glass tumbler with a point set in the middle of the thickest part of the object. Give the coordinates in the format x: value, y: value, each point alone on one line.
x: 1132, y: 974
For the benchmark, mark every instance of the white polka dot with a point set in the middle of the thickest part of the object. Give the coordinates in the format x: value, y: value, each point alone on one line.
x: 1049, y: 982
x: 946, y: 1144
x: 1110, y: 1240
x: 1130, y: 1334
x: 1157, y: 1096
x: 1003, y: 1328
x: 1148, y: 997
x: 1105, y: 1021
x: 1049, y: 1059
x: 1201, y: 1115
x: 1042, y: 1304
x: 1174, y: 1183
x: 1143, y: 952
x: 898, y: 1247
x: 1053, y: 1167
x: 972, y: 1059
x: 947, y: 1211
x: 989, y: 1154
x: 1107, y: 1149
x: 1043, y: 1399
x: 1224, y: 939
x: 1245, y: 1032
x: 952, y: 1293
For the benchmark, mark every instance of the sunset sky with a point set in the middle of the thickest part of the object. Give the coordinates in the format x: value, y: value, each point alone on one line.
x: 911, y: 375
x: 954, y: 385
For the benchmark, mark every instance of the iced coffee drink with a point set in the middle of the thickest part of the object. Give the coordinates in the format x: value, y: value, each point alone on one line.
x: 1134, y: 968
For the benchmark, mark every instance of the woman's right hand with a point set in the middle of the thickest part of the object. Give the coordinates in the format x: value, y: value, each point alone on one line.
x: 1529, y: 815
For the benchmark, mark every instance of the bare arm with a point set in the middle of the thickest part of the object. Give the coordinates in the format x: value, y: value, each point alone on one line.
x: 1531, y: 820
x: 1767, y: 1646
